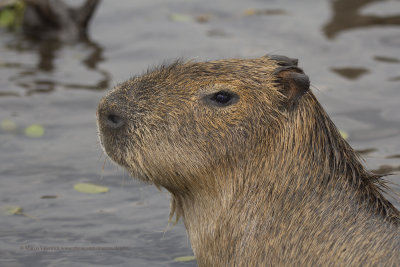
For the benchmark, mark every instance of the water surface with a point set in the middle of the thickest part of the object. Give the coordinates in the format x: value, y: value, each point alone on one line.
x: 350, y: 51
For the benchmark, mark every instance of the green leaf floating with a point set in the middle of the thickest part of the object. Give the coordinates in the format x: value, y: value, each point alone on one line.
x: 8, y: 126
x: 7, y: 18
x: 34, y: 130
x: 185, y: 258
x: 179, y: 17
x: 90, y: 188
x: 14, y: 210
x: 18, y: 210
x: 11, y: 13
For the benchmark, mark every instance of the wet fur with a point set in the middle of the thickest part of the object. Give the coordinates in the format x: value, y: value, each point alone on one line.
x: 257, y: 183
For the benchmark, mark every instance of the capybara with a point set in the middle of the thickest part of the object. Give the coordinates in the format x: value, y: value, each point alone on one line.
x: 255, y: 167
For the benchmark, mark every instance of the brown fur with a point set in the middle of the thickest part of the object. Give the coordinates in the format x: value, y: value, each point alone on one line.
x: 266, y: 181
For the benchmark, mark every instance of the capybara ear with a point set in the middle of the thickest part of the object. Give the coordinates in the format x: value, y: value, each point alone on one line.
x: 294, y: 83
x: 283, y: 60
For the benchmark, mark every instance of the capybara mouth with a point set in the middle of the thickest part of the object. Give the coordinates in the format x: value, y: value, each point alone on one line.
x: 109, y: 143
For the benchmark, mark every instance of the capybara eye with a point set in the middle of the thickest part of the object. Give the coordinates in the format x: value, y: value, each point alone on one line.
x: 222, y: 98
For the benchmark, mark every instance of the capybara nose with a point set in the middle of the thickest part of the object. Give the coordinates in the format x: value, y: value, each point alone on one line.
x: 114, y: 121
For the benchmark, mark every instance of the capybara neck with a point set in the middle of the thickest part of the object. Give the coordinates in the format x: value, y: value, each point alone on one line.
x: 306, y: 179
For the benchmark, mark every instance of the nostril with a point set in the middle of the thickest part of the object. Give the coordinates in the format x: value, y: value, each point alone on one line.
x: 114, y: 121
x: 114, y: 118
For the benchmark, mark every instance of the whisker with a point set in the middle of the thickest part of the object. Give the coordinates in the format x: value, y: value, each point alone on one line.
x: 102, y: 168
x: 315, y: 87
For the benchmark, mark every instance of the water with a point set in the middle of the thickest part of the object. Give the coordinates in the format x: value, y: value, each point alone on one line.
x: 350, y: 51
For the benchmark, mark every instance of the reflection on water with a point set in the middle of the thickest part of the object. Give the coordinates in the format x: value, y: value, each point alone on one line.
x: 57, y: 35
x: 350, y: 73
x: 47, y: 74
x: 366, y: 151
x: 386, y: 128
x: 386, y: 169
x: 54, y: 20
x: 346, y: 16
x: 397, y: 156
x: 387, y: 59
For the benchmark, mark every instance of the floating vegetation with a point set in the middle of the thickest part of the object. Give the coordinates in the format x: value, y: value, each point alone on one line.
x: 48, y: 197
x: 17, y: 210
x: 8, y: 126
x: 11, y: 13
x: 252, y: 12
x: 90, y: 188
x: 14, y: 210
x: 203, y: 18
x: 34, y: 131
x: 184, y: 258
x: 179, y: 17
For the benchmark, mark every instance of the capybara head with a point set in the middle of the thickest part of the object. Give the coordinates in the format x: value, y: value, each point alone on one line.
x: 188, y: 120
x: 255, y: 166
